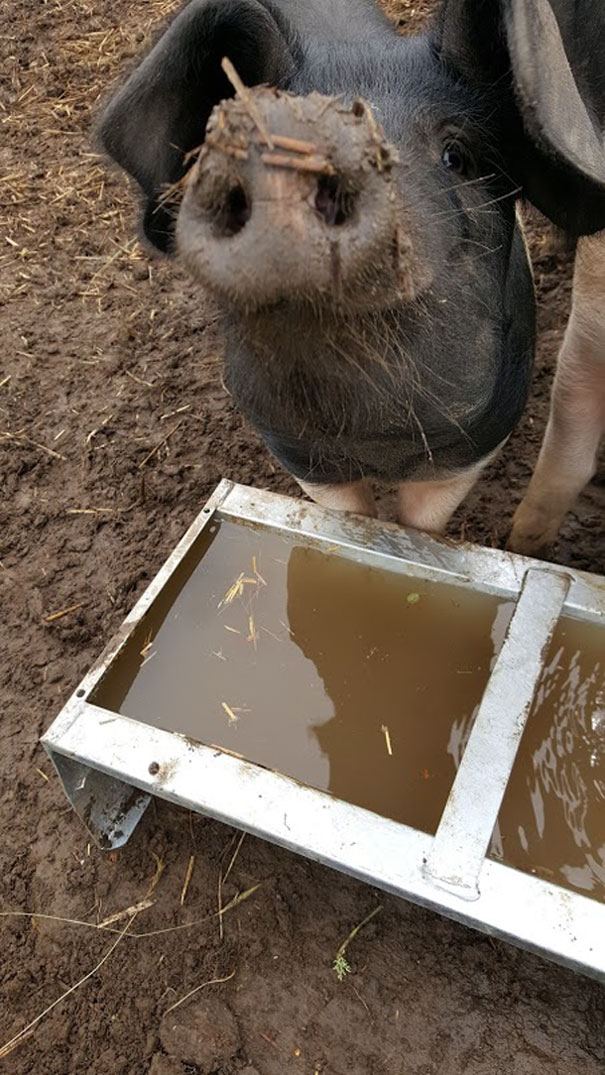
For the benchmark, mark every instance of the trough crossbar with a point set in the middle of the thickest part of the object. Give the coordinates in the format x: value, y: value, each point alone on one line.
x: 467, y: 823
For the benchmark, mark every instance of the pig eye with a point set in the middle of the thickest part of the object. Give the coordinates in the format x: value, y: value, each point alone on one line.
x: 455, y: 159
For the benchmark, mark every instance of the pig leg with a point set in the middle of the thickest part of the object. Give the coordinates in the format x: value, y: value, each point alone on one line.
x: 429, y: 505
x: 354, y: 496
x: 577, y: 416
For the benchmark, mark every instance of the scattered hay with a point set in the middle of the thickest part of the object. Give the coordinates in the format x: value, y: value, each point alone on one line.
x: 62, y: 612
x: 387, y: 739
x: 187, y: 880
x: 27, y: 1030
x: 192, y: 992
x: 160, y: 444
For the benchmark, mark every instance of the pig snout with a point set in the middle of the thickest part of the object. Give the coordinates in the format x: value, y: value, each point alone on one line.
x: 294, y: 199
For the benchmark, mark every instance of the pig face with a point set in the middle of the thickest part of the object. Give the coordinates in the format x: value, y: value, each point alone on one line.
x: 340, y: 205
x: 368, y: 279
x: 356, y: 217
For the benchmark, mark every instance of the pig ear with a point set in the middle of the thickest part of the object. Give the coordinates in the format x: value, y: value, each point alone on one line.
x: 161, y: 112
x: 544, y: 60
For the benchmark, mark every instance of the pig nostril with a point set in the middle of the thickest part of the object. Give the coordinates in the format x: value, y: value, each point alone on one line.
x: 333, y: 201
x: 234, y: 212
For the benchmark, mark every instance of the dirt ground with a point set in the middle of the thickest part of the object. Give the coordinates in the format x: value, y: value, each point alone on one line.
x: 107, y: 355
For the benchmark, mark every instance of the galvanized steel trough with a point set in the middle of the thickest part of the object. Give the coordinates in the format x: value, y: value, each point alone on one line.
x: 110, y: 765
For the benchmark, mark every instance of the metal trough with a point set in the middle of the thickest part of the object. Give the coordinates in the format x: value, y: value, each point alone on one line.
x: 110, y: 765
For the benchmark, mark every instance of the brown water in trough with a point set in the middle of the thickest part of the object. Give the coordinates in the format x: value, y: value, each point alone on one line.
x: 365, y: 683
x: 552, y: 821
x: 349, y: 678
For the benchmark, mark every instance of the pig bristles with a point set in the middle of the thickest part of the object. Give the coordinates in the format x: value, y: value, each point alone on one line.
x: 173, y: 192
x: 376, y: 131
x: 247, y: 99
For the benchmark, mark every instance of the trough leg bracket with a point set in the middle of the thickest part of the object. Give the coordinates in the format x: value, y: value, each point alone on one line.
x: 109, y: 808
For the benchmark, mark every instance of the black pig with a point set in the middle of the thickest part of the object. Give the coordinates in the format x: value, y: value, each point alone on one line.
x: 356, y: 217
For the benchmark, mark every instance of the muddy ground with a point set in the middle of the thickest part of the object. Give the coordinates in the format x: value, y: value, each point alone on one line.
x: 106, y: 355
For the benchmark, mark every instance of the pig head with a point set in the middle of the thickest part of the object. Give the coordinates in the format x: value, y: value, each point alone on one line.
x: 354, y: 214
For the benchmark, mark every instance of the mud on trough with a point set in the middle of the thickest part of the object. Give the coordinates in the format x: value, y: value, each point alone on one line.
x: 114, y: 428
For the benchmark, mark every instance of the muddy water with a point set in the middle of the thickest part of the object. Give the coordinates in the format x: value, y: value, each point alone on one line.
x: 552, y: 820
x: 351, y: 679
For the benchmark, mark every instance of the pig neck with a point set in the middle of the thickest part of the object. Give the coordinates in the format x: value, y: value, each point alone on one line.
x: 296, y: 370
x: 292, y: 370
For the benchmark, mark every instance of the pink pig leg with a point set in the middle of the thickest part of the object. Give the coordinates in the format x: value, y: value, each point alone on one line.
x: 355, y: 496
x: 576, y: 424
x: 428, y: 505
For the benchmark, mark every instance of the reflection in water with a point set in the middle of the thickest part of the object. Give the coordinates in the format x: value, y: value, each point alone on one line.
x: 552, y: 820
x: 414, y: 667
